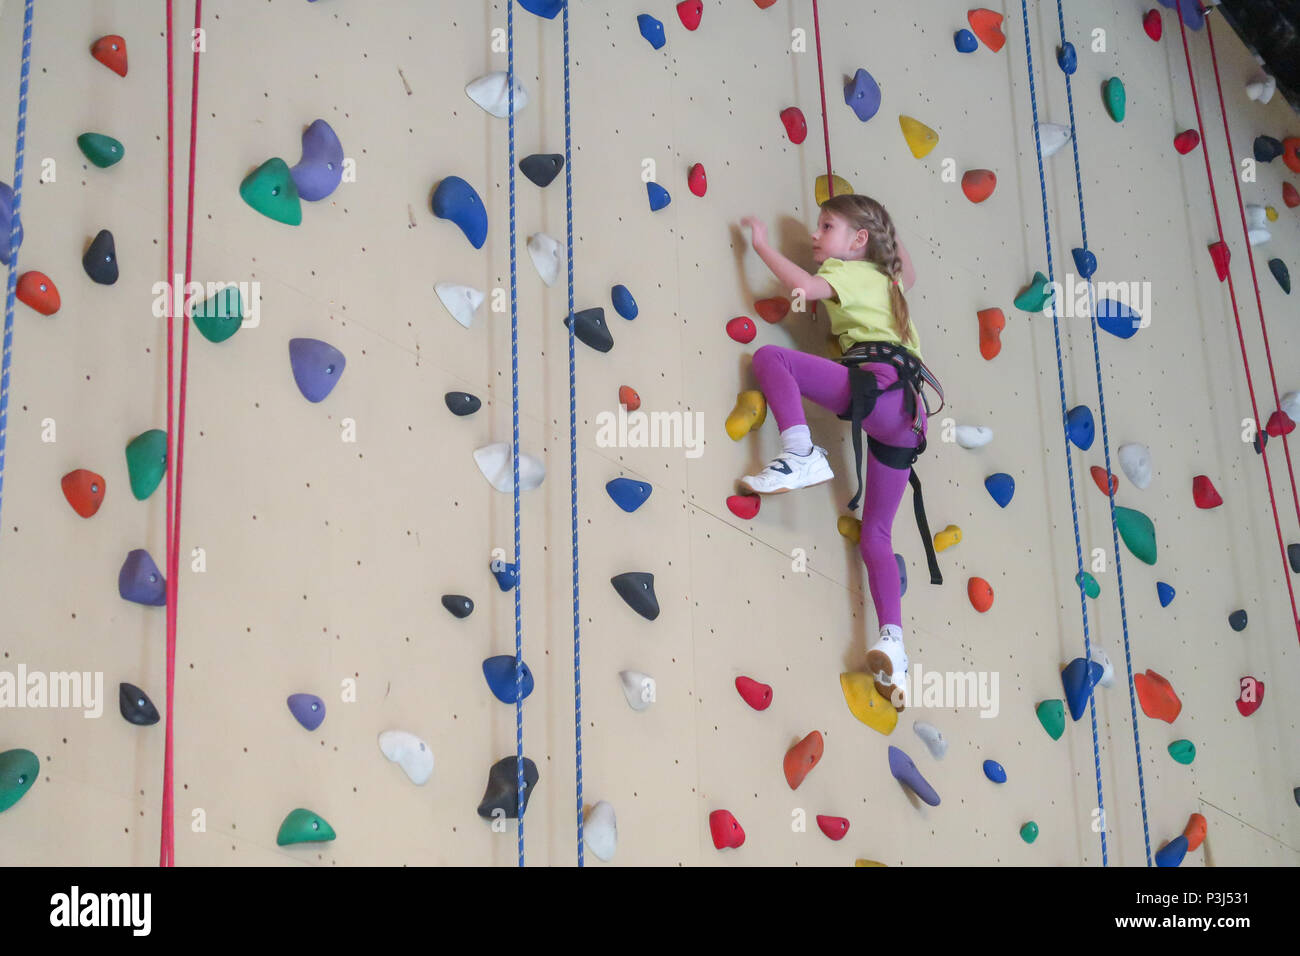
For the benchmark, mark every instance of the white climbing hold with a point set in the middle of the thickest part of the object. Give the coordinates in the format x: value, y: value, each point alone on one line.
x: 1256, y: 216
x: 409, y: 752
x: 495, y: 461
x: 545, y: 253
x: 1051, y: 137
x: 973, y: 436
x: 933, y: 738
x: 492, y: 92
x: 1291, y: 405
x: 462, y: 301
x: 1258, y: 236
x: 1262, y: 87
x: 638, y: 688
x: 600, y: 831
x: 1099, y: 656
x: 1135, y: 460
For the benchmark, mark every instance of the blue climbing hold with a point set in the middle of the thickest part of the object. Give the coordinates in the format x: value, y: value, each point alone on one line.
x: 1193, y: 14
x: 862, y: 93
x: 320, y: 170
x: 1172, y: 853
x: 993, y: 770
x: 628, y: 493
x: 624, y: 304
x: 546, y: 9
x: 902, y: 573
x: 307, y: 709
x: 456, y: 200
x: 1067, y: 59
x: 905, y: 772
x: 1001, y: 486
x: 965, y: 41
x: 507, y: 575
x: 652, y: 30
x: 1118, y: 319
x: 1085, y: 263
x: 1165, y: 592
x: 500, y: 674
x: 141, y: 581
x: 1080, y: 426
x: 1079, y: 677
x: 658, y: 196
x: 7, y: 221
x: 316, y: 367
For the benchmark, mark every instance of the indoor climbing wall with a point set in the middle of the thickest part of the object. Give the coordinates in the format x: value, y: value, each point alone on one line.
x: 325, y: 544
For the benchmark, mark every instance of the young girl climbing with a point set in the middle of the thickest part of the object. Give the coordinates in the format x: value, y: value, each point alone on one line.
x: 875, y: 384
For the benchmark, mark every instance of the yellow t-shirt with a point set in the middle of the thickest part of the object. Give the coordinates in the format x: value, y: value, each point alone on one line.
x: 863, y: 312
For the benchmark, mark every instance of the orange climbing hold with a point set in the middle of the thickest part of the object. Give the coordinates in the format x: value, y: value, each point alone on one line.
x: 1194, y: 831
x: 37, y: 290
x: 84, y: 491
x: 1291, y: 153
x: 978, y: 184
x: 772, y: 310
x: 1290, y: 196
x: 1157, y: 696
x: 627, y: 396
x: 763, y: 4
x: 1107, y: 482
x: 1204, y: 493
x: 992, y: 322
x: 802, y: 757
x: 980, y: 593
x: 987, y: 25
x: 111, y: 51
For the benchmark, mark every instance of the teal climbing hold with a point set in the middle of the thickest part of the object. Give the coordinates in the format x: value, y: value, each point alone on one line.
x: 1138, y: 533
x: 1036, y: 296
x: 1281, y: 274
x: 1079, y: 677
x: 1173, y: 852
x: 1183, y: 751
x: 1051, y: 714
x: 1165, y: 592
x: 1089, y: 584
x: 1113, y: 92
x: 303, y: 826
x: 1001, y: 487
x: 659, y: 197
x: 146, y: 462
x: 1080, y: 426
x: 103, y: 151
x: 18, y: 771
x: 220, y: 316
x: 270, y: 190
x: 1029, y: 832
x: 628, y: 493
x: 456, y: 201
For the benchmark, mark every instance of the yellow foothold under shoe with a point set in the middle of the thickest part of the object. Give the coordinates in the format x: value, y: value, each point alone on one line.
x: 850, y: 527
x: 868, y: 863
x: 750, y: 413
x: 866, y: 704
x: 842, y: 188
x: 946, y: 538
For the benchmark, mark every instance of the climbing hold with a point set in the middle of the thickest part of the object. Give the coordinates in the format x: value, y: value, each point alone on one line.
x: 541, y: 168
x: 862, y: 94
x: 600, y: 827
x: 623, y: 302
x: 750, y: 413
x: 1113, y: 90
x: 965, y: 41
x: 933, y: 738
x: 307, y: 709
x: 1135, y: 459
x: 317, y: 367
x: 37, y: 291
x: 462, y: 403
x: 456, y: 200
x: 507, y: 574
x: 1153, y: 24
x: 987, y: 25
x: 905, y: 772
x: 111, y: 51
x: 462, y: 301
x: 1250, y: 696
x: 1089, y: 584
x: 658, y: 196
x: 652, y: 30
x: 140, y: 580
x: 1293, y: 556
x: 409, y: 752
x: 868, y: 863
x: 993, y: 770
x: 1107, y: 482
x: 1036, y: 295
x: 303, y: 826
x: 1085, y: 262
x: 689, y: 12
x: 84, y: 491
x: 1237, y: 620
x: 742, y: 329
x: 1256, y: 216
x: 1221, y: 256
x: 1194, y: 832
x: 756, y: 695
x: 458, y: 604
x: 639, y: 689
x: 1267, y: 149
x: 1262, y: 88
x: 492, y: 92
x: 866, y: 703
x: 1290, y: 404
x: 501, y: 797
x: 772, y: 310
x: 135, y: 705
x: 973, y: 436
x: 1165, y: 592
x: 1261, y: 440
x: 1098, y: 656
x: 1281, y: 274
x: 1029, y: 832
x: 500, y: 675
x: 919, y: 137
x: 725, y: 830
x: 320, y: 170
x: 1157, y: 696
x: 100, y: 260
x: 496, y: 461
x: 1204, y: 493
x: 220, y: 316
x: 1290, y: 196
x: 801, y: 758
x: 544, y: 250
x: 628, y: 398
x: 18, y: 771
x: 1138, y: 534
x: 697, y: 180
x: 1001, y: 487
x: 744, y: 507
x: 546, y: 9
x: 146, y: 461
x: 796, y: 127
x: 1186, y: 141
x: 834, y: 827
x: 270, y: 190
x: 992, y: 322
x: 1080, y: 427
x: 946, y: 538
x: 1291, y: 153
x: 1118, y: 319
x: 1079, y: 678
x: 103, y: 151
x: 8, y: 242
x: 1173, y: 852
x: 1051, y: 137
x: 637, y: 588
x: 628, y: 493
x: 980, y: 593
x: 1067, y: 58
x: 1051, y: 714
x: 978, y: 184
x: 821, y: 188
x: 590, y: 328
x: 850, y: 527
x: 1183, y: 751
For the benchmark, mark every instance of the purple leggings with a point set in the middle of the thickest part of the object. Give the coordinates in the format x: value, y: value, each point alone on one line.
x: 786, y: 376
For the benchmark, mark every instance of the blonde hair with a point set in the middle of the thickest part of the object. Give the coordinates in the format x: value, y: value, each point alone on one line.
x: 863, y: 212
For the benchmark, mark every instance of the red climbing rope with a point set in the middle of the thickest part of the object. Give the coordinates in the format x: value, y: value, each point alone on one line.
x: 821, y: 80
x: 1232, y: 293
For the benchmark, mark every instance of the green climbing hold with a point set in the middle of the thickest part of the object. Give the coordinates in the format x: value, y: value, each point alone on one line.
x: 270, y: 190
x: 303, y: 826
x: 1029, y: 832
x: 1184, y: 751
x: 1138, y: 533
x: 18, y: 770
x: 1051, y: 714
x: 1036, y: 297
x: 101, y: 150
x: 1115, y: 100
x: 1088, y: 583
x: 219, y: 316
x: 146, y: 462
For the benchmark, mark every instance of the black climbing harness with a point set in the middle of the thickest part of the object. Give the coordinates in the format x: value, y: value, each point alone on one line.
x: 913, y: 376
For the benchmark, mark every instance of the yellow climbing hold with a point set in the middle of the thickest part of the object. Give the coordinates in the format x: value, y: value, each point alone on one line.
x: 866, y: 703
x: 850, y: 527
x: 868, y: 863
x: 842, y: 188
x: 1271, y: 213
x: 920, y: 138
x: 750, y: 412
x: 946, y: 538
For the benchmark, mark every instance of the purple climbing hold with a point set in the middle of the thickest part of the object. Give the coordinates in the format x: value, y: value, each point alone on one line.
x: 456, y: 200
x: 316, y: 367
x: 1193, y: 14
x: 320, y: 170
x: 7, y: 222
x: 862, y: 93
x: 1079, y: 677
x: 141, y: 581
x: 905, y: 772
x: 307, y: 709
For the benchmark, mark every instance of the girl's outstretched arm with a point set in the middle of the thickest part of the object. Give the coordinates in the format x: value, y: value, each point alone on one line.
x: 792, y: 276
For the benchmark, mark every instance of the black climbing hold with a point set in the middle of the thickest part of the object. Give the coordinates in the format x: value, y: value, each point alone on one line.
x: 1267, y: 149
x: 502, y: 793
x: 637, y: 588
x: 1237, y: 620
x: 1293, y: 555
x: 462, y: 403
x: 542, y: 168
x: 135, y: 705
x: 1281, y: 274
x: 1261, y: 440
x: 458, y: 605
x: 589, y: 326
x: 100, y: 260
x: 1296, y: 793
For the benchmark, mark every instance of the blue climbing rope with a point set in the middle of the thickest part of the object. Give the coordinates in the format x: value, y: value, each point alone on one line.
x: 20, y: 146
x: 1105, y: 444
x: 1069, y: 460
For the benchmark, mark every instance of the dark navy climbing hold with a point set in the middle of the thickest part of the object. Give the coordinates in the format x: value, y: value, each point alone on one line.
x: 590, y: 328
x: 1237, y: 620
x: 541, y: 168
x: 1173, y: 852
x: 1117, y: 318
x: 307, y: 709
x: 628, y: 493
x: 652, y: 30
x: 507, y: 575
x: 500, y: 674
x: 316, y: 367
x: 1165, y: 593
x: 993, y: 770
x: 1267, y: 149
x: 456, y: 200
x: 320, y: 170
x: 658, y: 196
x: 462, y: 403
x: 501, y: 798
x: 1293, y: 555
x: 135, y: 705
x: 1079, y: 677
x: 1067, y: 59
x: 1085, y: 263
x: 1080, y: 426
x: 100, y: 260
x: 141, y: 581
x: 1281, y: 274
x: 1001, y: 486
x: 7, y: 219
x: 624, y: 304
x: 965, y: 41
x: 637, y: 588
x: 458, y: 604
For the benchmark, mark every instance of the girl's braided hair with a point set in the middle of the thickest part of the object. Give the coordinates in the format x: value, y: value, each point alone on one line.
x: 863, y: 212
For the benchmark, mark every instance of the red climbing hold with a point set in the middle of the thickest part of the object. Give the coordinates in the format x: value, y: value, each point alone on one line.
x: 1291, y: 153
x: 987, y: 25
x: 726, y: 831
x: 1251, y: 696
x: 627, y: 396
x: 756, y: 695
x: 763, y: 4
x: 1186, y: 141
x: 1220, y: 254
x: 38, y: 290
x: 1290, y: 196
x: 1204, y: 493
x: 772, y: 310
x: 980, y: 593
x: 1194, y: 831
x: 689, y: 12
x: 1108, y: 483
x: 1279, y: 423
x: 796, y: 127
x: 1154, y: 26
x: 834, y: 827
x: 742, y: 329
x: 744, y: 506
x: 978, y: 184
x: 802, y: 757
x: 1157, y: 696
x: 111, y: 51
x: 84, y: 491
x: 697, y: 181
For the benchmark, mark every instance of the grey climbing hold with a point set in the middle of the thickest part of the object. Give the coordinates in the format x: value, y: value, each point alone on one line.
x: 492, y: 92
x: 637, y: 588
x: 638, y: 688
x: 933, y: 738
x: 135, y: 705
x: 589, y: 326
x: 501, y: 798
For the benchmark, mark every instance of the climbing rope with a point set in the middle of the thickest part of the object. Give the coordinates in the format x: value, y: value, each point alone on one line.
x: 1105, y: 444
x: 821, y: 82
x: 1069, y: 461
x: 1236, y: 315
x: 20, y: 146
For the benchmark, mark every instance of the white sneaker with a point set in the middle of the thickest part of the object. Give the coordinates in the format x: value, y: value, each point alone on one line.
x: 887, y: 662
x: 788, y: 472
